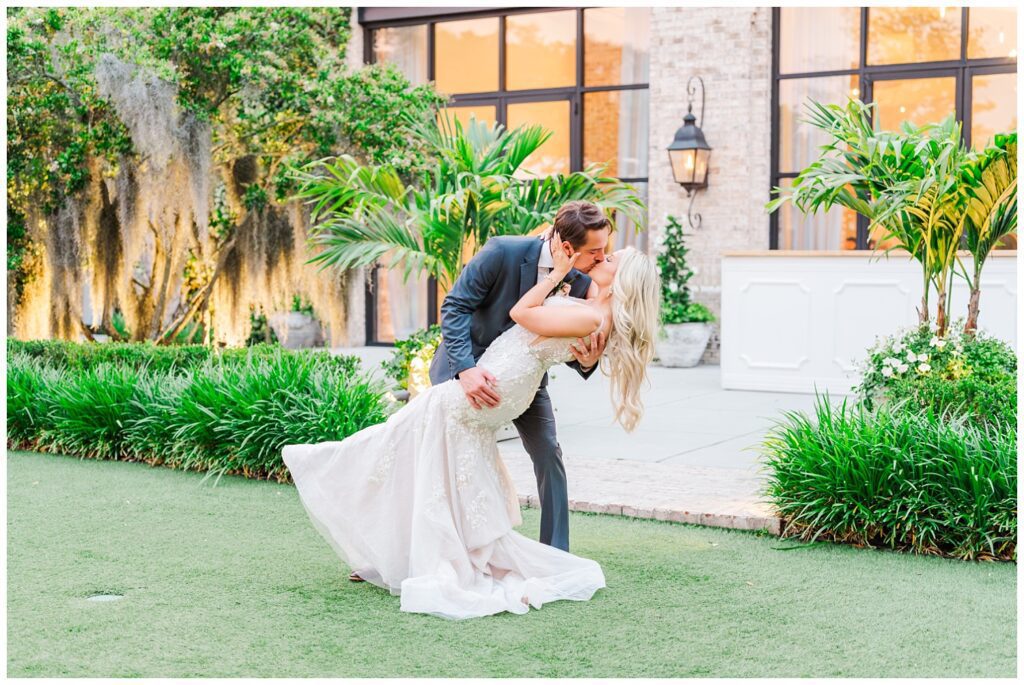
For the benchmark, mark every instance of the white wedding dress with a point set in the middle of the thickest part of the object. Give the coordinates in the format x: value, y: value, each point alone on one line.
x: 423, y: 505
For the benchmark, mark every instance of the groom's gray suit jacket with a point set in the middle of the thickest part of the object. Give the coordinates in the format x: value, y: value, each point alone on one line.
x: 476, y: 310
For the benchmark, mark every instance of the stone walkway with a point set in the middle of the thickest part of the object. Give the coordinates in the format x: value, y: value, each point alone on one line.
x: 693, y: 458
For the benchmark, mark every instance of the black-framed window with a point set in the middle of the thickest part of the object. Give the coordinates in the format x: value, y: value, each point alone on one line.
x: 917, y: 63
x: 580, y: 72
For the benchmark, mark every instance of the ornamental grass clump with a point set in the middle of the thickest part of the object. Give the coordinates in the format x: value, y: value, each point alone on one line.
x: 231, y: 413
x: 903, y: 480
x: 29, y: 393
x: 235, y: 418
x: 91, y: 411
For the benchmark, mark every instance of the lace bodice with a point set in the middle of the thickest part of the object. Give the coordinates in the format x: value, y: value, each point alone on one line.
x: 518, y: 358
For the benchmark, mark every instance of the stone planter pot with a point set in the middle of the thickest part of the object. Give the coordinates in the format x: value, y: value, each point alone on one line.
x: 295, y: 330
x: 683, y: 344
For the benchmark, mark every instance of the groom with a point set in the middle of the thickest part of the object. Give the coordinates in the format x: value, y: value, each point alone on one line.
x: 476, y: 311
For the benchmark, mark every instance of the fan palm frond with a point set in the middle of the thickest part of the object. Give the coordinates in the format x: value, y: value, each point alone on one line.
x: 364, y: 214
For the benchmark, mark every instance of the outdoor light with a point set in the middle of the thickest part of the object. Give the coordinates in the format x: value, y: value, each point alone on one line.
x: 689, y: 152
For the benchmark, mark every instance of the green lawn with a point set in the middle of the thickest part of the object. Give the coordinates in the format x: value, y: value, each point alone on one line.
x: 233, y: 580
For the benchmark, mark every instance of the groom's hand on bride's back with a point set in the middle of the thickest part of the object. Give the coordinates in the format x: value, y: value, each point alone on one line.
x: 478, y: 384
x: 588, y: 354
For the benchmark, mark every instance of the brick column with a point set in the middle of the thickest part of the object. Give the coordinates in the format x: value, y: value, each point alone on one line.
x: 731, y: 50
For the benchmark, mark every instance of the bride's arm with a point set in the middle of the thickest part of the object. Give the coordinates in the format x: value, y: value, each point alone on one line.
x: 554, y: 322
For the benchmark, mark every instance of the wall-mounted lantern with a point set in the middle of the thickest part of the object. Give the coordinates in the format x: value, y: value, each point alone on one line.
x: 689, y: 152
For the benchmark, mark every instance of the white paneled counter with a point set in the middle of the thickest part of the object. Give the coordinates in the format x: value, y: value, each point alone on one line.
x: 795, y: 320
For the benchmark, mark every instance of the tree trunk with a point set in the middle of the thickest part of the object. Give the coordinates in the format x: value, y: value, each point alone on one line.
x: 198, y: 306
x: 145, y: 304
x: 922, y: 311
x: 940, y: 315
x: 165, y: 280
x: 972, y: 311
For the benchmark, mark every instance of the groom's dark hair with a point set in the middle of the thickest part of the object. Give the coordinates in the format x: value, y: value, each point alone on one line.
x: 575, y: 218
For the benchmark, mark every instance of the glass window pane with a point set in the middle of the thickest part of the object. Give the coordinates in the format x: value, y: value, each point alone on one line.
x: 484, y: 113
x: 900, y: 35
x: 819, y: 39
x: 466, y: 56
x: 406, y: 48
x: 799, y: 142
x: 553, y: 156
x: 919, y: 101
x: 993, y: 107
x: 540, y: 50
x: 616, y: 45
x: 615, y: 131
x: 625, y: 234
x: 1007, y: 242
x: 879, y: 239
x: 992, y: 32
x: 401, y: 307
x: 835, y: 229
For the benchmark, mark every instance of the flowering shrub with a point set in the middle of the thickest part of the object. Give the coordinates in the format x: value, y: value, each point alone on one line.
x: 953, y: 375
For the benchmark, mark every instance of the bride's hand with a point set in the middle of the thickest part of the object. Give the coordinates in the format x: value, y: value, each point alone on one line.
x: 563, y: 262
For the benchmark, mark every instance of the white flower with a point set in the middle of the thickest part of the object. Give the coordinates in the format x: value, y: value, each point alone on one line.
x: 887, y: 372
x: 934, y: 340
x: 922, y: 357
x: 897, y: 348
x: 911, y: 357
x: 940, y: 344
x: 924, y: 368
x: 902, y: 368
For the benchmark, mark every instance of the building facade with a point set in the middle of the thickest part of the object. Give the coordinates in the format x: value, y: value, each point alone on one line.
x: 611, y: 83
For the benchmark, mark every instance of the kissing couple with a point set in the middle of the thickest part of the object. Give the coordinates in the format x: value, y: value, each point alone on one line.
x: 422, y: 504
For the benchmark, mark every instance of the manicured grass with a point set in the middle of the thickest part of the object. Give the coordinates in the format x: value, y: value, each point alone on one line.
x: 233, y: 580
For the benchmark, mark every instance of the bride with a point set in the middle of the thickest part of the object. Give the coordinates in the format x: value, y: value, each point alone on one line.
x: 423, y: 505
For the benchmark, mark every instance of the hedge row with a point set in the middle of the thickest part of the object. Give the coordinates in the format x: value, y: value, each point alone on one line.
x: 219, y: 411
x: 83, y: 356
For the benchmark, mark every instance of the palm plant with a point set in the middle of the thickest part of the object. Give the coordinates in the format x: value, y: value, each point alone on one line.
x: 364, y: 214
x: 990, y: 186
x: 932, y: 205
x: 916, y: 187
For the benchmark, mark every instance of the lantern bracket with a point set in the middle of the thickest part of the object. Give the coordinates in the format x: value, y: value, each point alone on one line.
x: 693, y: 219
x: 690, y: 92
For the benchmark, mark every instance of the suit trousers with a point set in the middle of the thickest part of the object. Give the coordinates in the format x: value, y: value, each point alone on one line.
x: 536, y: 427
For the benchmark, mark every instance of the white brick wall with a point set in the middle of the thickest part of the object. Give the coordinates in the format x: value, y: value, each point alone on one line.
x: 730, y: 49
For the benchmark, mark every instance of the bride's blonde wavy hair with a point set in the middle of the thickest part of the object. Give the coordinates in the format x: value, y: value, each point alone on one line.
x: 636, y: 300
